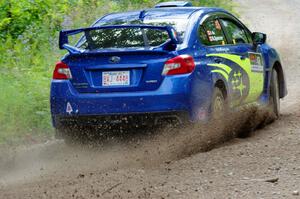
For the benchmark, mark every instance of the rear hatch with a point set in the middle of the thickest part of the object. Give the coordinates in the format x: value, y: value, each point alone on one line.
x: 119, y: 58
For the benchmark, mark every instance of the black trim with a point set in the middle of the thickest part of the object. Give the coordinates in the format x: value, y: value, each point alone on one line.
x: 141, y: 119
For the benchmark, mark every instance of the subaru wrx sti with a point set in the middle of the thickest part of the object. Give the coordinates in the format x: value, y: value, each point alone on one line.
x: 173, y: 61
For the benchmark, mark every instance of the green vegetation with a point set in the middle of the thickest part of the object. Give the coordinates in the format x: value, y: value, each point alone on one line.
x: 28, y: 52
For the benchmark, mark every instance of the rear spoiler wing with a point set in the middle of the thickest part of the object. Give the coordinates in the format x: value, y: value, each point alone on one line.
x: 64, y: 34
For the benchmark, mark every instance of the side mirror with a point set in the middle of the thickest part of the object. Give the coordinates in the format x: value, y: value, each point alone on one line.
x: 259, y: 38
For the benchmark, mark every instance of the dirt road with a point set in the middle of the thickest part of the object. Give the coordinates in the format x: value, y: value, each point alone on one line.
x: 265, y: 165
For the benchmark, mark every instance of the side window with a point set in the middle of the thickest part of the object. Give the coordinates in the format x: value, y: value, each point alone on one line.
x: 203, y: 36
x: 211, y: 33
x: 236, y: 34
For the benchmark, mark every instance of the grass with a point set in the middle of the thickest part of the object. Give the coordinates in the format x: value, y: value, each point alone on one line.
x: 29, y: 51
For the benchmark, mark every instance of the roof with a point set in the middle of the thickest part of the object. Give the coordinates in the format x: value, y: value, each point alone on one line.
x: 166, y: 12
x: 174, y: 4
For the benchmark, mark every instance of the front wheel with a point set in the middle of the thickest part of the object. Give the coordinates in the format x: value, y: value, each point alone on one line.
x: 274, y: 103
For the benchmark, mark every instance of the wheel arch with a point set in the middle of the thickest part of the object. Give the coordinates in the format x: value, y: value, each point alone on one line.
x: 222, y: 86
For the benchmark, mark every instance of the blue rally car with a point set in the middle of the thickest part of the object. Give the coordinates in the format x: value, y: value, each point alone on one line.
x: 173, y: 61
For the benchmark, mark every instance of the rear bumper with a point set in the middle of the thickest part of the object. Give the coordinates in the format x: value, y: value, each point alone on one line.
x: 172, y: 96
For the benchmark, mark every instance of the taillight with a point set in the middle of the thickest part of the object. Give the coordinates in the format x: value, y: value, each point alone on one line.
x: 62, y: 71
x: 181, y: 64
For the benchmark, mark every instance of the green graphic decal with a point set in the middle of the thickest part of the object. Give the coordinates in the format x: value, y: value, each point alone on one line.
x: 239, y: 84
x: 224, y: 74
x: 222, y: 66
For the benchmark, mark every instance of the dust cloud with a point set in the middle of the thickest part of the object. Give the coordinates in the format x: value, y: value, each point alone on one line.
x: 140, y: 148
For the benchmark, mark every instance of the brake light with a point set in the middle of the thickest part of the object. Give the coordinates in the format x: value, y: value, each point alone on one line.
x: 62, y: 71
x: 181, y: 64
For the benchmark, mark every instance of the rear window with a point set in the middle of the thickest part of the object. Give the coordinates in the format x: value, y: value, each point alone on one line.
x: 179, y: 24
x: 123, y: 38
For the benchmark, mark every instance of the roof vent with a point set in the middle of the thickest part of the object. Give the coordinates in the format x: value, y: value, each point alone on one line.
x: 174, y: 4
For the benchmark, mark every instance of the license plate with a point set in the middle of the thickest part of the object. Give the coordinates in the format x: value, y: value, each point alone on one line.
x: 116, y: 78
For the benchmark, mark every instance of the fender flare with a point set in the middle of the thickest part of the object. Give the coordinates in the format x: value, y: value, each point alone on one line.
x: 281, y: 78
x: 272, y: 61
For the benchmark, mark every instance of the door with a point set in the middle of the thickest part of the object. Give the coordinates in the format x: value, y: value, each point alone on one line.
x: 248, y: 77
x: 224, y: 60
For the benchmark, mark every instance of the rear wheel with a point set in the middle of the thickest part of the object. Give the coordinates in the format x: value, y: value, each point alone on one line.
x: 274, y: 103
x: 218, y: 105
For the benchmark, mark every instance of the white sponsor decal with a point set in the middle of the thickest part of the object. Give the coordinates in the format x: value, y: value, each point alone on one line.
x: 256, y: 62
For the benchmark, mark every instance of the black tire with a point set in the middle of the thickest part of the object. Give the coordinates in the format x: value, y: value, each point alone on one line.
x: 218, y: 105
x: 274, y: 103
